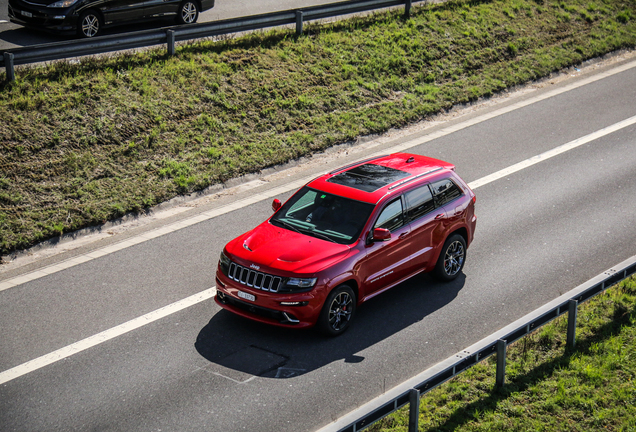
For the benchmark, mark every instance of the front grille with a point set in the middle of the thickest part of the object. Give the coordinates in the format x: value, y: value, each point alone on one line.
x: 253, y: 278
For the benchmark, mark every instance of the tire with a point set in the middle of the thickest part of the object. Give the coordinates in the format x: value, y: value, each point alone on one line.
x: 338, y: 311
x: 90, y: 24
x: 452, y: 258
x: 188, y: 12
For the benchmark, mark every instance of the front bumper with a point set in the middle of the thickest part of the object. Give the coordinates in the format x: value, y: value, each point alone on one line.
x: 206, y: 4
x: 267, y: 307
x: 42, y: 18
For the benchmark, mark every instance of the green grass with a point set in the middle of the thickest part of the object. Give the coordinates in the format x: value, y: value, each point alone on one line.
x: 548, y: 387
x: 85, y: 143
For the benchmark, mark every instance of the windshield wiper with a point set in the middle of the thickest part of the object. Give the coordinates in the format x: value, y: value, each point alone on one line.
x: 287, y: 225
x: 304, y: 230
x: 322, y: 236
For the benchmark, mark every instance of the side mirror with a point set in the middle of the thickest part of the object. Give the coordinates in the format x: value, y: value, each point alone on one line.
x: 381, y: 234
x: 276, y: 205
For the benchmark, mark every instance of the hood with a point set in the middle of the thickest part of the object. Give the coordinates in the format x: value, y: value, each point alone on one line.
x: 43, y: 2
x: 285, y: 250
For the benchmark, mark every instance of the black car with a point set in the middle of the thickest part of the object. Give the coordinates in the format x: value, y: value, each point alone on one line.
x: 87, y: 18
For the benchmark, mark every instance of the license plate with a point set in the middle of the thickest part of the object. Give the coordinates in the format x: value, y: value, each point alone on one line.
x: 26, y: 14
x: 246, y: 296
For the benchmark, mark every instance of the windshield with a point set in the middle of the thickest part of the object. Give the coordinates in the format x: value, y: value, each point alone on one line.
x: 322, y: 215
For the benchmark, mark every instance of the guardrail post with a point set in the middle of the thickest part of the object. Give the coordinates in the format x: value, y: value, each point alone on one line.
x: 170, y: 41
x: 414, y: 409
x: 501, y: 363
x: 8, y: 66
x: 299, y: 23
x: 572, y: 311
x: 407, y: 8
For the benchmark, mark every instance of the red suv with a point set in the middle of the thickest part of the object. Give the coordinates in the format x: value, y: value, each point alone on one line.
x: 346, y: 237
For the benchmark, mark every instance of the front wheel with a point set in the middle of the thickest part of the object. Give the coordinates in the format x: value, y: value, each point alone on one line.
x: 89, y: 24
x: 337, y: 311
x: 452, y: 258
x: 188, y: 12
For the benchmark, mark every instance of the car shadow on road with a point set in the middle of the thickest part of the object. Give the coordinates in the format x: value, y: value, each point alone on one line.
x: 240, y: 349
x: 27, y: 37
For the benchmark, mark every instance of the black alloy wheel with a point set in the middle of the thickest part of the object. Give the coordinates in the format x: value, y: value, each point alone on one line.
x: 337, y: 311
x: 452, y: 258
x: 89, y: 24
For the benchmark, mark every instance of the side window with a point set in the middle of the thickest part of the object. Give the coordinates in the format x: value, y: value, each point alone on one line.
x: 445, y: 191
x: 419, y: 202
x: 391, y: 217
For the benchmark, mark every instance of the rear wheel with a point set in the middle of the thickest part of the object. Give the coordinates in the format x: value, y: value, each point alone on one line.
x: 337, y: 311
x: 452, y: 258
x: 188, y: 12
x: 89, y: 24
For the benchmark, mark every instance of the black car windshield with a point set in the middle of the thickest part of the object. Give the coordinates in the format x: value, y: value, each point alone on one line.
x: 322, y: 215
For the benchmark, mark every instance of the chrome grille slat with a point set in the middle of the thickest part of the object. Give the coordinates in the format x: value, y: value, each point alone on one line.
x: 250, y: 278
x: 254, y: 279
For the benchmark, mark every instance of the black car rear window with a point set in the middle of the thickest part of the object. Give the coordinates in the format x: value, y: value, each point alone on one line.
x: 368, y: 177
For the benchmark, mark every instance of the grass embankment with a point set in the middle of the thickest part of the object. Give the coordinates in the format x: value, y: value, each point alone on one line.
x: 548, y: 387
x: 85, y: 143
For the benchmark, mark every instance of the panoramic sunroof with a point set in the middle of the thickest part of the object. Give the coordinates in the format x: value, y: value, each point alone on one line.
x: 368, y: 177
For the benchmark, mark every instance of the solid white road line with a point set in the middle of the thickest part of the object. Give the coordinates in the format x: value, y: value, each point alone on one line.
x: 551, y: 153
x: 9, y: 283
x: 104, y: 336
x: 126, y: 327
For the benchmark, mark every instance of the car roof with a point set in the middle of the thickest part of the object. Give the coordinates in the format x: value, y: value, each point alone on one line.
x: 371, y: 179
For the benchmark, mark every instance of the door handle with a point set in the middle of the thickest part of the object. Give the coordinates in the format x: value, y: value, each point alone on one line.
x: 404, y: 234
x: 440, y: 216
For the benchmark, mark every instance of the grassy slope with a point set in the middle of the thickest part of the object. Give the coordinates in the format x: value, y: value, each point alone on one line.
x: 548, y: 388
x: 81, y: 144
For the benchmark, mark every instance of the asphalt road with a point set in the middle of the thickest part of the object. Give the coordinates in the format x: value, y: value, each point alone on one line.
x: 13, y: 35
x: 541, y: 232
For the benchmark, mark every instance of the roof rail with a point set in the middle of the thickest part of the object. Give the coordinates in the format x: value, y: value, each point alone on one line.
x: 410, y: 179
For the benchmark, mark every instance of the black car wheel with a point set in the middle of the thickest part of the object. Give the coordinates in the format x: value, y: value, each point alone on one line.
x: 188, y: 12
x: 89, y: 24
x: 452, y: 258
x: 337, y: 311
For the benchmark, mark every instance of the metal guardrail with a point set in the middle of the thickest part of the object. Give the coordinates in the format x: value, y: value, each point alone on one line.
x: 410, y: 391
x: 170, y: 35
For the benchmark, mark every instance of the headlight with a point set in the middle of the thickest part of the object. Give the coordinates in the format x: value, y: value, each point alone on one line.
x: 299, y: 284
x: 62, y: 4
x: 224, y: 263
